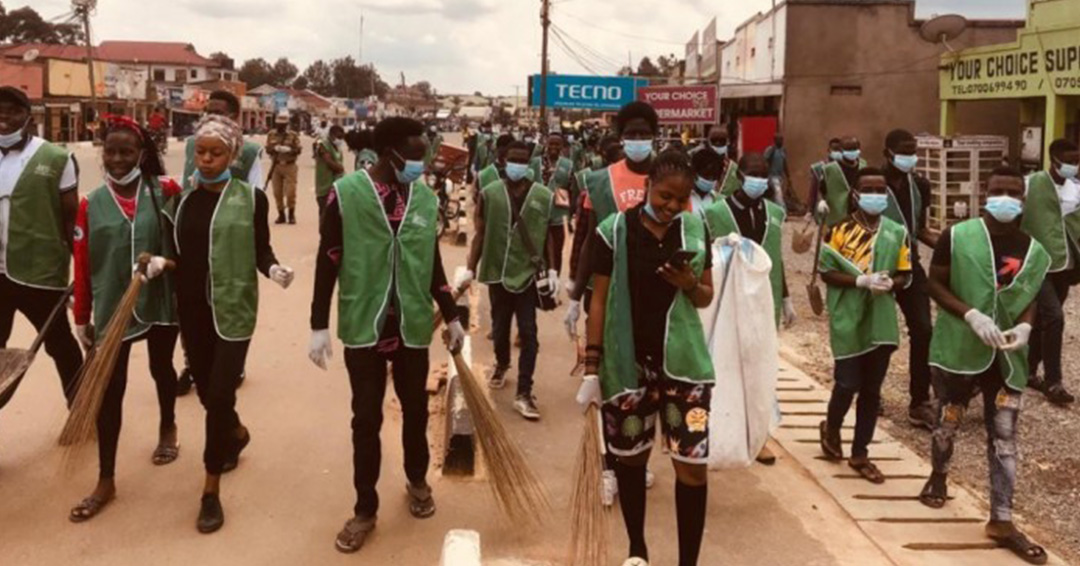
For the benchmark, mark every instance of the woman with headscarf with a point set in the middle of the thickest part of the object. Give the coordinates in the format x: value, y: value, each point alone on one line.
x: 221, y: 239
x: 115, y: 223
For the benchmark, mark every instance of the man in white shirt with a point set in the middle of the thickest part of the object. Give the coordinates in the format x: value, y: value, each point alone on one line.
x: 39, y: 199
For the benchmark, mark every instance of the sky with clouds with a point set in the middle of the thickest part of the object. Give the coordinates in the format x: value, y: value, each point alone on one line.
x: 459, y: 46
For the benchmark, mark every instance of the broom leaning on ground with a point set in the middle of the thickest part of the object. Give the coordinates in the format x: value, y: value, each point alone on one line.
x: 96, y: 372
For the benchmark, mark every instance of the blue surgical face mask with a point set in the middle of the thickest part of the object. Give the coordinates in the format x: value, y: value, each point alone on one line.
x: 8, y: 140
x: 720, y: 149
x: 412, y: 171
x: 754, y: 187
x: 1004, y: 209
x: 873, y: 204
x: 637, y: 150
x: 516, y: 171
x: 905, y: 163
x: 836, y: 155
x: 852, y: 154
x: 704, y: 186
x: 1066, y: 170
x: 224, y: 176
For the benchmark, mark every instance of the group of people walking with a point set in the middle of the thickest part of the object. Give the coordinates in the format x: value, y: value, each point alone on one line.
x: 644, y: 224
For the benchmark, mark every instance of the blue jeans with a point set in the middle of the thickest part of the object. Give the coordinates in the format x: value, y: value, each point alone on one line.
x: 1001, y: 411
x: 505, y: 306
x: 861, y: 375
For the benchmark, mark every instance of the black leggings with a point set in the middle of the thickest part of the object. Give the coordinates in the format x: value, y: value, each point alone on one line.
x: 160, y: 344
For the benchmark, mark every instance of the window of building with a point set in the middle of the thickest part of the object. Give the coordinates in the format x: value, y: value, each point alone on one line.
x: 159, y: 75
x: 181, y: 75
x: 846, y: 90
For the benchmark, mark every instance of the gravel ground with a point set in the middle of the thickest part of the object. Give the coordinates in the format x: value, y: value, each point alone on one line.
x: 1048, y: 489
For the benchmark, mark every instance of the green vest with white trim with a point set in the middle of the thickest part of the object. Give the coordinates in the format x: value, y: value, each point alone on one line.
x: 324, y: 177
x: 38, y: 254
x: 954, y: 347
x: 860, y: 321
x: 837, y: 192
x: 234, y: 284
x: 686, y: 355
x: 721, y: 222
x: 504, y: 259
x: 1043, y: 221
x: 375, y: 260
x: 240, y: 167
x: 115, y: 244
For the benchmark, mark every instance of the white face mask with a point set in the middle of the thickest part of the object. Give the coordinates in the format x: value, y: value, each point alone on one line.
x: 8, y: 140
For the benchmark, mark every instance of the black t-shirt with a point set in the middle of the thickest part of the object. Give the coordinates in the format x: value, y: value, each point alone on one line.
x: 1009, y: 253
x: 650, y: 295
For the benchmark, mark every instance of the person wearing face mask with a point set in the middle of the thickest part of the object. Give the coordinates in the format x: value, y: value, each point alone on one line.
x: 865, y: 260
x: 285, y: 149
x: 647, y: 359
x: 384, y: 309
x: 1052, y: 216
x: 985, y: 276
x: 116, y: 223
x: 221, y: 242
x: 39, y: 201
x: 554, y: 170
x: 501, y: 259
x: 839, y: 178
x: 909, y: 201
x: 329, y: 165
x: 817, y: 175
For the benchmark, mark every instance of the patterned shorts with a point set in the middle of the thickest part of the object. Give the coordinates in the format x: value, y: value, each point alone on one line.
x: 683, y: 409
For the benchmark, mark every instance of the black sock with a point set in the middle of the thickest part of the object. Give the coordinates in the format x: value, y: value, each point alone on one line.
x: 690, y: 503
x: 632, y: 502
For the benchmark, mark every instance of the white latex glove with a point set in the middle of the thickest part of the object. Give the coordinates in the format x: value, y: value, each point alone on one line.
x: 589, y: 392
x: 85, y: 334
x: 1017, y: 337
x: 822, y: 208
x: 985, y: 328
x: 456, y: 336
x: 573, y: 313
x: 462, y: 279
x: 789, y: 317
x: 281, y: 275
x: 319, y: 349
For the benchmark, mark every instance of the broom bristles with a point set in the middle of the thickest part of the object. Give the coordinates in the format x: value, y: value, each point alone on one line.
x: 588, y: 516
x: 517, y: 490
x: 96, y: 372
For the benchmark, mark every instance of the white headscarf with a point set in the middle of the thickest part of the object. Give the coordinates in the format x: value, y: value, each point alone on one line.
x: 221, y: 128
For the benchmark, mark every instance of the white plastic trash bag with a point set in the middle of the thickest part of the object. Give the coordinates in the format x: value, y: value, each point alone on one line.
x: 740, y: 328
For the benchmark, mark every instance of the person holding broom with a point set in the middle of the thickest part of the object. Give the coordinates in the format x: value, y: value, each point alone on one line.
x: 384, y: 309
x: 116, y: 223
x: 646, y: 355
x: 221, y: 241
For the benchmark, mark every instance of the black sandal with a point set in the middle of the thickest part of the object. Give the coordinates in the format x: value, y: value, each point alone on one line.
x: 1022, y: 547
x: 936, y: 491
x: 88, y: 508
x: 352, y: 536
x: 868, y: 470
x: 830, y: 442
x: 421, y: 503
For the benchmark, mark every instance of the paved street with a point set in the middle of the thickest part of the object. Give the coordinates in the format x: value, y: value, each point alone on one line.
x: 293, y: 488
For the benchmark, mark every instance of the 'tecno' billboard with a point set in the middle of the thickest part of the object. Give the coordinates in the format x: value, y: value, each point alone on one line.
x: 585, y: 92
x: 682, y: 104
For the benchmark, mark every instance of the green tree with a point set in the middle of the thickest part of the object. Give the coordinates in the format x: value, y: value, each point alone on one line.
x: 256, y: 72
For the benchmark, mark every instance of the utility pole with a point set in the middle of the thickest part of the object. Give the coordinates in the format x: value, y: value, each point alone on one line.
x: 82, y: 9
x: 545, y: 22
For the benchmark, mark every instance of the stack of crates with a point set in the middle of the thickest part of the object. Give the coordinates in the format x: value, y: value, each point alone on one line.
x: 958, y: 169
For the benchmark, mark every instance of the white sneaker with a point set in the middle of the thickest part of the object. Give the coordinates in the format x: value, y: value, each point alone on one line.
x: 609, y: 488
x: 635, y: 561
x: 650, y: 478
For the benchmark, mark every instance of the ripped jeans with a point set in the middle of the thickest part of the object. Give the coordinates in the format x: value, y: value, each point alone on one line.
x: 1001, y: 411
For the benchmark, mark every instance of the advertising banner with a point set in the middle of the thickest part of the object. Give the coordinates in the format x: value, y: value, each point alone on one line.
x: 682, y: 104
x: 585, y: 92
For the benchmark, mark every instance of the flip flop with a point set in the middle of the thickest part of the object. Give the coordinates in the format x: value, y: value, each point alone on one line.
x: 868, y: 470
x: 88, y: 508
x: 166, y: 454
x: 1022, y: 547
x: 935, y: 493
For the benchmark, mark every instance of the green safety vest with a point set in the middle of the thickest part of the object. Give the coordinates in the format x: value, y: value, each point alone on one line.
x: 560, y: 179
x: 115, y: 244
x: 38, y: 254
x: 324, y: 177
x: 1043, y: 221
x: 837, y: 192
x: 686, y: 355
x: 731, y: 183
x: 241, y: 167
x: 234, y: 284
x: 894, y: 213
x: 721, y: 222
x: 504, y: 258
x: 954, y: 347
x: 860, y: 321
x: 365, y: 159
x: 375, y: 260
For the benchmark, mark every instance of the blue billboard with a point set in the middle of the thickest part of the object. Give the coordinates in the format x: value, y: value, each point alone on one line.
x: 586, y: 92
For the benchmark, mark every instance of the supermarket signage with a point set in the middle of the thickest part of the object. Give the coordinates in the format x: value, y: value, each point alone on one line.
x: 682, y: 104
x: 585, y: 92
x: 1040, y: 63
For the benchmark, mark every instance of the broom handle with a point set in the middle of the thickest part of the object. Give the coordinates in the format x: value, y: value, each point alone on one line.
x: 36, y: 345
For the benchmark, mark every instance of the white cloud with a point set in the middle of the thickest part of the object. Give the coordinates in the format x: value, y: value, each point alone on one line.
x: 457, y: 45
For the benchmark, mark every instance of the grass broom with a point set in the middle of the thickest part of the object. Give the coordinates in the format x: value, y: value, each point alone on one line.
x: 96, y: 372
x: 588, y: 515
x: 516, y: 488
x: 14, y: 361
